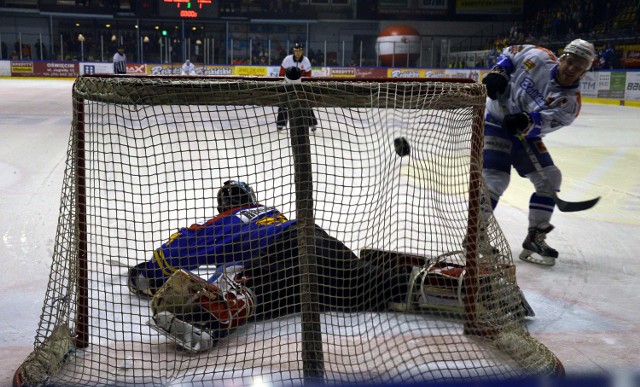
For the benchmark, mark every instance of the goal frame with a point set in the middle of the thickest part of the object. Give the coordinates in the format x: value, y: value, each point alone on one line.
x: 359, y: 95
x: 311, y: 330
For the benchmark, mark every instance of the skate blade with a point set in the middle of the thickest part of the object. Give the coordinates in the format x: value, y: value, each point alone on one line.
x: 450, y: 309
x: 530, y: 256
x: 528, y: 310
x: 200, y: 341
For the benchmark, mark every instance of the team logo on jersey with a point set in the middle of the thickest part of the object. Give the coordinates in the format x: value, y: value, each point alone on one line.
x: 529, y: 64
x: 529, y: 87
x: 275, y: 219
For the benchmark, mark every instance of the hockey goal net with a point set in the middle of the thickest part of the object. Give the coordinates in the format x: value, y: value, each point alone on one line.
x: 147, y: 156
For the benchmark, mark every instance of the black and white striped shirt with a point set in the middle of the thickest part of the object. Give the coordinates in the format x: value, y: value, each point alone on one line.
x: 120, y: 63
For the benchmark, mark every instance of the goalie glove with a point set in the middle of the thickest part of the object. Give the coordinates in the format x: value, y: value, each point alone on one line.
x: 516, y: 124
x: 496, y: 81
x: 293, y: 75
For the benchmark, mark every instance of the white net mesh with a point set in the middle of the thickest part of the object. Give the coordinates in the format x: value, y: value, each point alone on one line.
x: 147, y: 157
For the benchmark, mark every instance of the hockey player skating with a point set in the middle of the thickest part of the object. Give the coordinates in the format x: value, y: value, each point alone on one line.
x: 298, y: 65
x: 531, y: 93
x: 188, y: 68
x: 255, y: 251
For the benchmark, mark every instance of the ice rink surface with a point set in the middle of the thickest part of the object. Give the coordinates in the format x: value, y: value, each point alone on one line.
x: 587, y: 306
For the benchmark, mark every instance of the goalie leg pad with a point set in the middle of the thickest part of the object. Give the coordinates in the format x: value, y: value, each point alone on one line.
x: 204, y: 306
x: 440, y: 285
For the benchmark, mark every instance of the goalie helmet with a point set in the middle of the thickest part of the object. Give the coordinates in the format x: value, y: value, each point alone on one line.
x: 235, y: 194
x: 581, y: 48
x: 298, y: 52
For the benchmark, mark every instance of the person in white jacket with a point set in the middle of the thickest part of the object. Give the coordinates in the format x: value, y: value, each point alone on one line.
x: 188, y: 68
x: 531, y: 93
x: 298, y: 64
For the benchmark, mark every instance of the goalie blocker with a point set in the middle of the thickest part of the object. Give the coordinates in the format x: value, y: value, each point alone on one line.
x: 196, y: 313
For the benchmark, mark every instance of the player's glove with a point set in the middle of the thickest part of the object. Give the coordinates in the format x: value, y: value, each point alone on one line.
x: 293, y: 73
x: 496, y: 81
x: 517, y: 123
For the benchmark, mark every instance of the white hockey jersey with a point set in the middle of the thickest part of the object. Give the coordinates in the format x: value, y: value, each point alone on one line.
x: 304, y: 65
x: 533, y: 89
x: 188, y: 68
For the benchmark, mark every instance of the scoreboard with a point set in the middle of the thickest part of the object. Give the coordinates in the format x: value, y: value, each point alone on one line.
x: 189, y: 9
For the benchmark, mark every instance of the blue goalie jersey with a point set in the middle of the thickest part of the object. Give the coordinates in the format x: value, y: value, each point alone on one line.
x: 233, y: 237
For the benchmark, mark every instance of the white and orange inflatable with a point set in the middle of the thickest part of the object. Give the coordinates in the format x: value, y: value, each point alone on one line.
x: 398, y: 46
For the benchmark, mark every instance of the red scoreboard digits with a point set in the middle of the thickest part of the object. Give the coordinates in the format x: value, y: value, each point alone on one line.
x: 189, y: 9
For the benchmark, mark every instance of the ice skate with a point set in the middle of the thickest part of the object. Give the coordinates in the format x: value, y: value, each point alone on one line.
x: 485, y: 248
x: 187, y: 336
x: 536, y: 250
x: 138, y: 283
x: 528, y: 310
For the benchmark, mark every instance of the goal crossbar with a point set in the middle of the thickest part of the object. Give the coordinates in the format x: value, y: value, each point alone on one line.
x: 261, y: 92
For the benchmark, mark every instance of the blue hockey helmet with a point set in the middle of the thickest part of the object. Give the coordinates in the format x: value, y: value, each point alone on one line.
x: 235, y: 194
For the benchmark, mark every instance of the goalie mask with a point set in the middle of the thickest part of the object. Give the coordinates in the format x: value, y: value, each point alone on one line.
x: 235, y: 194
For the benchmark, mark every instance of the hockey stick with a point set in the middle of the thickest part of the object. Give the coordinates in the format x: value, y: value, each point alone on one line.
x: 563, y: 206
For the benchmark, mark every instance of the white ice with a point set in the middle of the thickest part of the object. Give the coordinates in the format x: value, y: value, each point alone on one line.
x: 587, y: 306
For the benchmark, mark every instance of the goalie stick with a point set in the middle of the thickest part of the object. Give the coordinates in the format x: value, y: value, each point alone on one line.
x: 116, y: 263
x: 563, y: 205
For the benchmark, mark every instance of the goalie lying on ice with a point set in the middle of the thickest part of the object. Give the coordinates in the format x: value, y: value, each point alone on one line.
x: 257, y: 237
x: 255, y: 250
